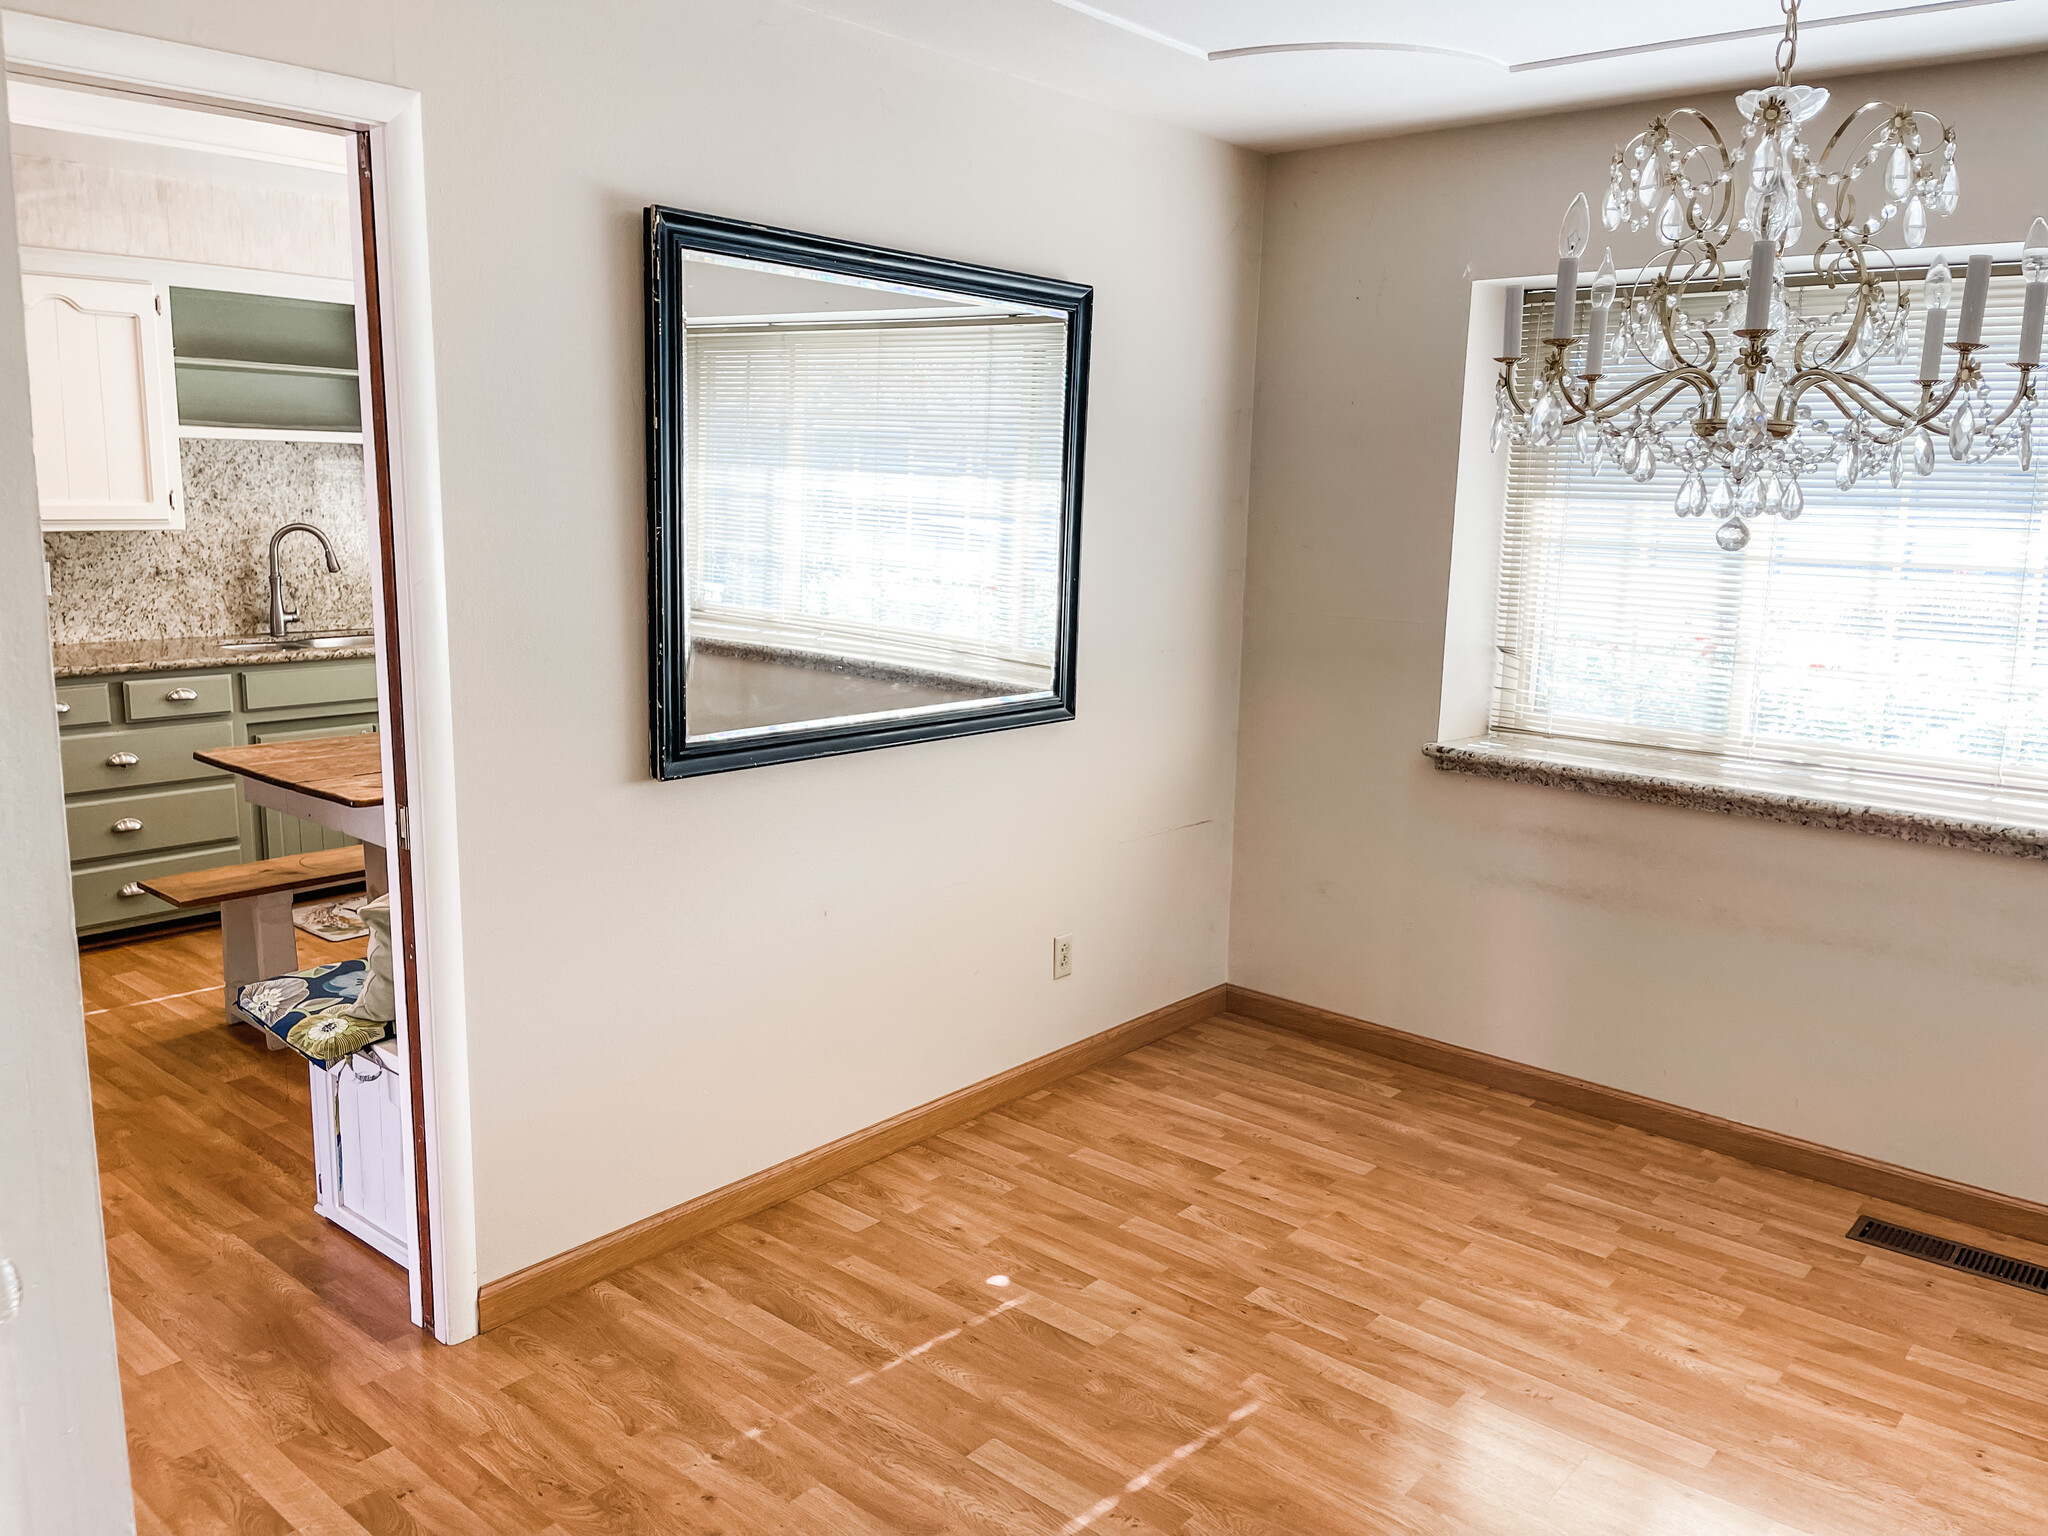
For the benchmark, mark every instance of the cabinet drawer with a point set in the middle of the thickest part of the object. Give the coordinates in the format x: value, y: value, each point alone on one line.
x: 162, y: 755
x: 282, y: 684
x: 170, y: 818
x: 163, y: 698
x: 83, y: 704
x: 99, y: 895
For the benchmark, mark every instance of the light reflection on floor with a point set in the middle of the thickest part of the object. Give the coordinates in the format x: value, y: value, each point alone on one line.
x: 1143, y: 1480
x: 1096, y: 1511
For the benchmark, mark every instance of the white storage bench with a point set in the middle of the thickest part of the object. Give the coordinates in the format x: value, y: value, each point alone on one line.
x: 359, y: 1148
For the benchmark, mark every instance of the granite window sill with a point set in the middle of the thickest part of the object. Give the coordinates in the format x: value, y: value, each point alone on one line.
x: 1913, y: 811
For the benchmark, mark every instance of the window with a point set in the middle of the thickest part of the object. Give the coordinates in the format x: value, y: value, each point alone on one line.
x: 884, y: 492
x: 1888, y: 630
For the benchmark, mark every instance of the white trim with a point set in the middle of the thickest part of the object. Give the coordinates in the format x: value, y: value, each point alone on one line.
x: 102, y: 115
x: 1465, y: 706
x: 151, y: 66
x: 271, y: 434
x: 188, y: 274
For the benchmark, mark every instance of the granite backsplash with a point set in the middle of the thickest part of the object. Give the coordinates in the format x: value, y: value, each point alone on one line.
x: 212, y: 577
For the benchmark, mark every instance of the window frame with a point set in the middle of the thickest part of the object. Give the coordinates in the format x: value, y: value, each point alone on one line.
x: 1472, y: 669
x: 671, y: 234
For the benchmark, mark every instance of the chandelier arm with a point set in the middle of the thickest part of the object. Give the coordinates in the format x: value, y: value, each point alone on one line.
x: 1821, y: 161
x: 2020, y: 395
x: 1668, y: 313
x: 1847, y: 344
x: 1507, y: 382
x: 1867, y: 397
x: 1698, y: 380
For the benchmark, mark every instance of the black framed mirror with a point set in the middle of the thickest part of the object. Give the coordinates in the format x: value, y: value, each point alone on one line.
x: 864, y: 495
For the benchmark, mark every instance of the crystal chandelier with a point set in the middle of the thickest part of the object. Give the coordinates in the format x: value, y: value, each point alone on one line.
x: 1883, y: 163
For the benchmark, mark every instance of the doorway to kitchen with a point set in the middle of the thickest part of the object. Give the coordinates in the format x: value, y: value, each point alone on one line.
x: 241, y: 562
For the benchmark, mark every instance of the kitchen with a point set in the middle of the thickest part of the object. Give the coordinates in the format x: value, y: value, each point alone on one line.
x: 190, y: 284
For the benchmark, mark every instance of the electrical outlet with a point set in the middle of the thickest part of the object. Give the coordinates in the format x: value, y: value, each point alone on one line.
x: 1062, y: 956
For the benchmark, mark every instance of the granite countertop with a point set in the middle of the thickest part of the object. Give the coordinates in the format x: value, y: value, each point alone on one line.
x: 98, y: 658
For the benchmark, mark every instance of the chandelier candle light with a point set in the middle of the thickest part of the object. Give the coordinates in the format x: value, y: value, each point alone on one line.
x: 1779, y: 361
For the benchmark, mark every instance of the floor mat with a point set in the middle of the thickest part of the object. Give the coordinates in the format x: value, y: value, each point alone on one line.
x: 333, y: 920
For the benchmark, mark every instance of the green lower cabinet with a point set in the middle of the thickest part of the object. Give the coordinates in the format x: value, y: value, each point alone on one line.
x: 138, y: 805
x: 119, y: 825
x: 141, y: 755
x: 110, y: 895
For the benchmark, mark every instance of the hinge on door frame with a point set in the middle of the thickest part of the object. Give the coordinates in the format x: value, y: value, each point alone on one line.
x: 405, y: 827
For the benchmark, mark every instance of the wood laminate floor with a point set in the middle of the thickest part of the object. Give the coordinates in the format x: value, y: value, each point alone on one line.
x: 1256, y: 1286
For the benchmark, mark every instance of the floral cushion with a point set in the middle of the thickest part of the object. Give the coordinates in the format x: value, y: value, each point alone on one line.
x: 309, y: 1010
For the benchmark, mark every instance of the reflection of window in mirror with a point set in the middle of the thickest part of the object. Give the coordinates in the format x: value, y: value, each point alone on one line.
x: 875, y: 478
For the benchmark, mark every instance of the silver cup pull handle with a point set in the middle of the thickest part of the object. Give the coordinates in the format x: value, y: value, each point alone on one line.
x: 132, y: 888
x: 123, y: 760
x: 128, y: 824
x: 181, y: 696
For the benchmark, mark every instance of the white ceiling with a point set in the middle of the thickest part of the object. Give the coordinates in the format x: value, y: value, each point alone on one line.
x: 1277, y: 74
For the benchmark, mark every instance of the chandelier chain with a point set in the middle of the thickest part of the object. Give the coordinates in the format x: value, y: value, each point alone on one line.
x: 1788, y: 45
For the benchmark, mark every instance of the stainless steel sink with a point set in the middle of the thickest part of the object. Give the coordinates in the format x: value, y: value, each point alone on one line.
x: 299, y: 643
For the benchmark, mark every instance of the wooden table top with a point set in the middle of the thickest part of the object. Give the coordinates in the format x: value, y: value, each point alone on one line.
x: 349, y: 770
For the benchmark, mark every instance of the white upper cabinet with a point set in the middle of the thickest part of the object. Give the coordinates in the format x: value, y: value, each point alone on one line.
x: 103, y: 400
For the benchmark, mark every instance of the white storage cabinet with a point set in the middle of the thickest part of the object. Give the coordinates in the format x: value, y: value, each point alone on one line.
x: 102, y: 401
x: 359, y: 1135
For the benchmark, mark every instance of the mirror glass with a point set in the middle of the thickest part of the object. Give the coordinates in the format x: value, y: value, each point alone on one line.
x: 866, y: 499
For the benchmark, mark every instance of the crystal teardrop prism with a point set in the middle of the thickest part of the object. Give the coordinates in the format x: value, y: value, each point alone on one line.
x: 1923, y: 451
x: 1691, y: 500
x: 1951, y: 192
x: 1794, y: 502
x: 1898, y: 467
x: 1547, y: 420
x: 1671, y: 222
x: 1962, y: 432
x: 1916, y: 224
x: 2026, y: 445
x: 1722, y: 502
x: 1847, y: 467
x: 1732, y: 535
x: 1791, y: 224
x: 1645, y: 469
x: 1746, y: 421
x: 1898, y: 173
x: 1772, y: 494
x: 1499, y: 429
x: 1613, y: 207
x: 1586, y: 441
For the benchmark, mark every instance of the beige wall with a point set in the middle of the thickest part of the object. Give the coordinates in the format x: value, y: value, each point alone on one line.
x: 1885, y: 998
x: 674, y: 985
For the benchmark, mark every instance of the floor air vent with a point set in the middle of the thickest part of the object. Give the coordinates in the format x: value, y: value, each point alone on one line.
x: 1939, y: 1250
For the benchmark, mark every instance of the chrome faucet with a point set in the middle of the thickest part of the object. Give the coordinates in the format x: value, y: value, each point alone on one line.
x: 280, y: 616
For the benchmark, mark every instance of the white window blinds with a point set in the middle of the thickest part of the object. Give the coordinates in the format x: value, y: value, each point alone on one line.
x: 887, y: 492
x: 1901, y: 631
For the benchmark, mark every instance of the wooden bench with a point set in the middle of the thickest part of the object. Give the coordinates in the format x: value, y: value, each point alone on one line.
x: 257, y: 939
